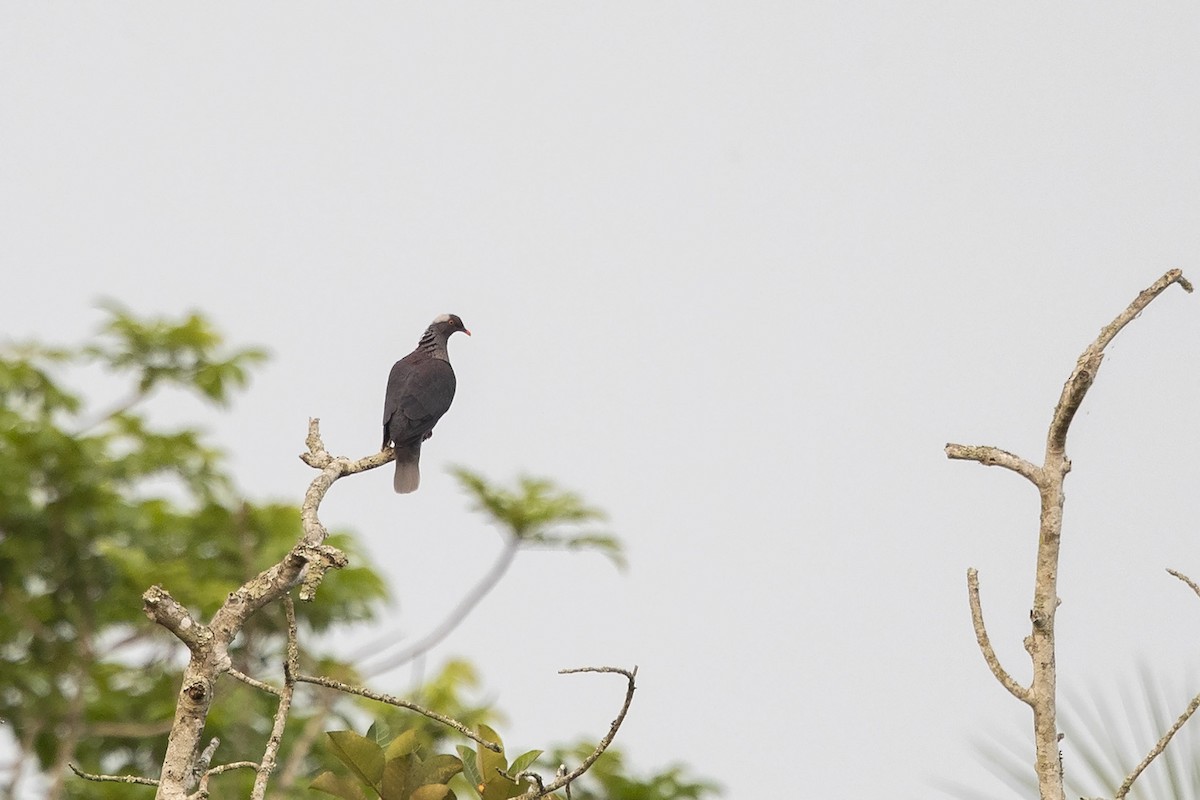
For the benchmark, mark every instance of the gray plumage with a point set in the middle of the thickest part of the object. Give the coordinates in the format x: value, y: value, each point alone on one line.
x: 419, y: 391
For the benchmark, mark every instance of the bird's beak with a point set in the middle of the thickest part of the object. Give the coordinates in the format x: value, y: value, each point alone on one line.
x: 467, y: 332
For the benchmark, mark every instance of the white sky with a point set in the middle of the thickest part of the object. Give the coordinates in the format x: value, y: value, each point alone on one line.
x: 736, y: 272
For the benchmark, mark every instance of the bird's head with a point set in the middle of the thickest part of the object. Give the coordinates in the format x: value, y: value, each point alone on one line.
x: 447, y: 324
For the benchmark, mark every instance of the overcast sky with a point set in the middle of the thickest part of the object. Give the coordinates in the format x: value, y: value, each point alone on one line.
x: 736, y: 273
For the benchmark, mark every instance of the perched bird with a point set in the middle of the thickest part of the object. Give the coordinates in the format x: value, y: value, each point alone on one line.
x: 419, y: 390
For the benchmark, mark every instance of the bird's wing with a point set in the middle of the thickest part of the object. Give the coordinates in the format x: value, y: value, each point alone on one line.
x: 418, y: 394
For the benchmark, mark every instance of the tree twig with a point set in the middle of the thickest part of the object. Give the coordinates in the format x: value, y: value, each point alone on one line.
x: 257, y: 684
x: 995, y: 457
x: 113, y: 778
x: 391, y: 700
x: 1191, y: 583
x: 1158, y: 748
x: 290, y: 667
x: 985, y: 645
x: 562, y: 780
x: 1162, y: 743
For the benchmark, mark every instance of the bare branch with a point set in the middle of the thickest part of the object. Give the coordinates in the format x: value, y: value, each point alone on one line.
x: 1041, y: 694
x: 290, y: 668
x: 302, y: 745
x: 257, y: 684
x: 306, y: 563
x: 1191, y: 583
x: 565, y: 780
x: 995, y: 457
x: 1018, y: 691
x: 232, y: 766
x: 330, y: 683
x: 332, y: 468
x: 166, y: 611
x: 1088, y: 364
x: 1157, y: 750
x: 201, y: 792
x: 87, y: 776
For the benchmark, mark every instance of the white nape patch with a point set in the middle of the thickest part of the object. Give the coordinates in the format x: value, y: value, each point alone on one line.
x: 440, y: 318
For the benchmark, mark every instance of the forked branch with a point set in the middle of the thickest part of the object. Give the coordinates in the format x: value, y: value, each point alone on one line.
x: 1040, y: 695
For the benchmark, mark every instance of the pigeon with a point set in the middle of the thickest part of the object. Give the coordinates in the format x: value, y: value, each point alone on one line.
x: 419, y: 391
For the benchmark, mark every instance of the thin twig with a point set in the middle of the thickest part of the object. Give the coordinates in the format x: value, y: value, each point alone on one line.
x: 232, y: 765
x: 330, y: 683
x: 267, y: 765
x: 1191, y: 583
x: 302, y: 745
x: 565, y: 780
x: 202, y: 790
x: 1157, y: 750
x: 1018, y: 691
x: 113, y: 778
x: 257, y: 684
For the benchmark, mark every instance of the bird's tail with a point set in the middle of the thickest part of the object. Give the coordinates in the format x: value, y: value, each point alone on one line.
x: 408, y: 472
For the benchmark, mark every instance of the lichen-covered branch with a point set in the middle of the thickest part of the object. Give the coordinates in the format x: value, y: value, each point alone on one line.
x: 994, y: 457
x: 1049, y: 478
x: 305, y: 564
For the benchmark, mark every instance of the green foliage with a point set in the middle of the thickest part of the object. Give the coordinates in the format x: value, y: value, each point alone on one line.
x: 610, y: 778
x: 395, y: 773
x: 182, y: 354
x: 535, y: 512
x: 488, y: 774
x: 94, y: 509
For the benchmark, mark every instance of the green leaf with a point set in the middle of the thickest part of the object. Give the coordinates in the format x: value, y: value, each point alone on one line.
x: 486, y: 760
x: 439, y: 769
x: 492, y: 767
x: 403, y: 744
x: 398, y: 778
x: 360, y: 754
x: 470, y: 767
x: 338, y: 786
x: 522, y: 762
x: 430, y: 791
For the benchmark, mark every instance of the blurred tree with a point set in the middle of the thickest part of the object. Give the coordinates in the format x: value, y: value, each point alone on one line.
x: 94, y: 509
